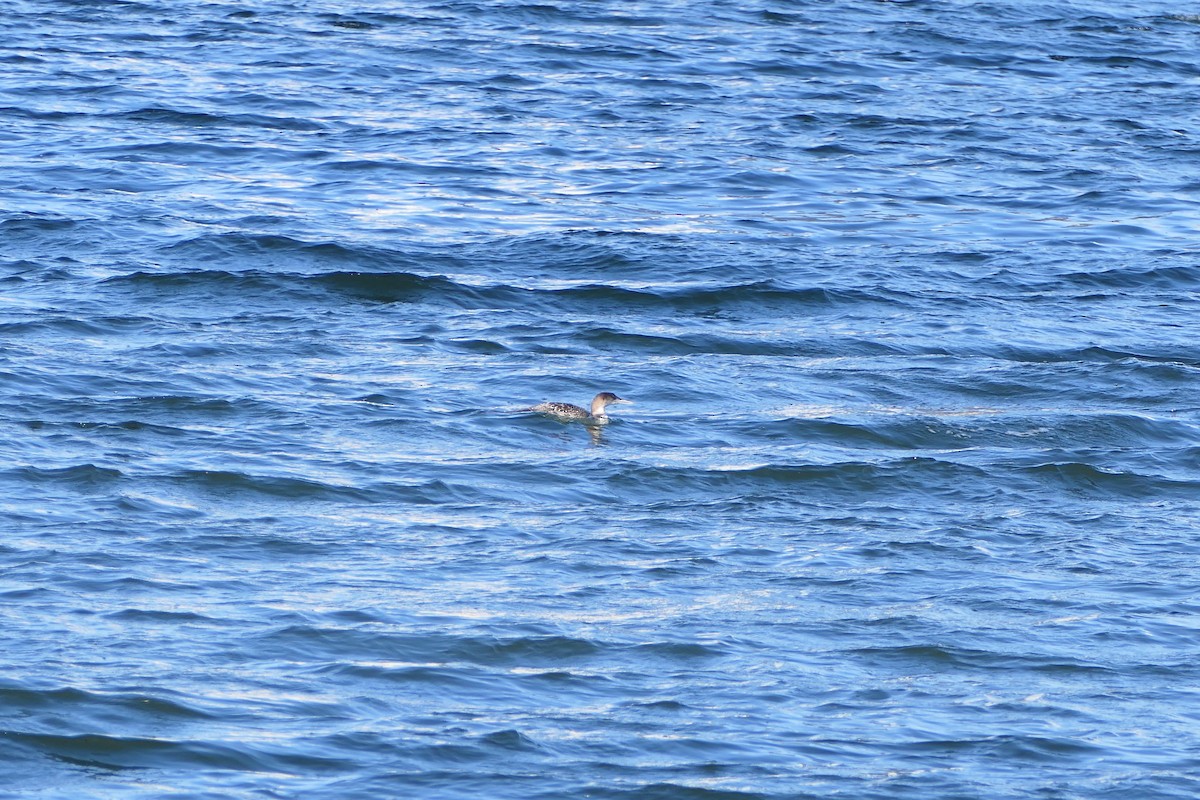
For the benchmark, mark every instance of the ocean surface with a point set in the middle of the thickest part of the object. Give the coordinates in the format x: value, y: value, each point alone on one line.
x: 906, y: 295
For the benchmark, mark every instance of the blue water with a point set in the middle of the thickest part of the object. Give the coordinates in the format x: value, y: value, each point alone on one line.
x: 905, y: 295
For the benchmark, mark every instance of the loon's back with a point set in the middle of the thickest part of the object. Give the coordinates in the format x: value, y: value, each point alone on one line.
x: 564, y: 410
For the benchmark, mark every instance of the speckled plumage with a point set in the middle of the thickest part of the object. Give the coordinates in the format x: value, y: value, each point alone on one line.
x: 562, y: 410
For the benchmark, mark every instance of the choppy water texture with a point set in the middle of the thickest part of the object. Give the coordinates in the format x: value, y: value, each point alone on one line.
x: 905, y: 294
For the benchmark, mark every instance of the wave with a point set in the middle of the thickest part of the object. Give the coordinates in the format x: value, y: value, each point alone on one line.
x: 223, y: 482
x: 924, y: 657
x: 1186, y: 355
x: 1088, y: 479
x: 681, y: 791
x: 36, y: 224
x: 73, y: 405
x: 921, y: 429
x: 313, y: 643
x: 381, y: 287
x: 1165, y: 277
x: 269, y: 264
x: 340, y: 648
x: 109, y: 752
x: 83, y: 476
x: 100, y: 325
x: 82, y: 703
x: 408, y: 287
x: 159, y: 115
x: 930, y: 476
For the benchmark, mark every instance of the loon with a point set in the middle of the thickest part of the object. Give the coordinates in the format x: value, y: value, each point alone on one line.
x: 571, y: 412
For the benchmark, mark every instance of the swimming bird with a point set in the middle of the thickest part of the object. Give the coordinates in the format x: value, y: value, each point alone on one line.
x: 571, y: 412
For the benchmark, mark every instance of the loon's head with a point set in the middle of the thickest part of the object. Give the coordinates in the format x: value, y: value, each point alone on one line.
x: 600, y: 401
